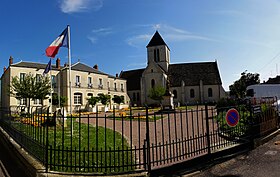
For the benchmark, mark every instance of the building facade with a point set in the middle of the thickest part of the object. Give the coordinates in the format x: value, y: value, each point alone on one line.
x: 190, y: 83
x: 85, y: 82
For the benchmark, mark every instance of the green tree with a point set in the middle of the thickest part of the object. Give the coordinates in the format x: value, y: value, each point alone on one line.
x: 157, y: 93
x: 118, y: 99
x: 55, y: 99
x: 30, y: 87
x: 93, y: 100
x: 238, y: 88
x: 104, y: 98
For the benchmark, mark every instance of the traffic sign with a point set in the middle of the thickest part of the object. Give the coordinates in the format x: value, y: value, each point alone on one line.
x: 232, y: 117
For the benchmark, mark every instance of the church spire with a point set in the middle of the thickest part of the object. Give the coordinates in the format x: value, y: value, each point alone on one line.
x: 156, y: 40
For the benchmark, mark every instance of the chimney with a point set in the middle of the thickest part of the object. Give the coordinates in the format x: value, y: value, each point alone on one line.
x: 11, y: 60
x: 95, y: 67
x: 5, y: 68
x: 58, y: 63
x: 117, y: 75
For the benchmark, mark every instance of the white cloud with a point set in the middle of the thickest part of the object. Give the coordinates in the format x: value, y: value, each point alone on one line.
x: 102, y: 31
x: 92, y: 39
x: 72, y: 6
x: 135, y: 40
x: 97, y: 33
x: 170, y: 33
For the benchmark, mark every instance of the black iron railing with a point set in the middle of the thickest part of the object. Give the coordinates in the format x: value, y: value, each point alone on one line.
x: 133, y: 139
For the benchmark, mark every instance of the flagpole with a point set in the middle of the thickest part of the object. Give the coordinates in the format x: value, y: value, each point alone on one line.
x: 70, y: 85
x: 51, y: 84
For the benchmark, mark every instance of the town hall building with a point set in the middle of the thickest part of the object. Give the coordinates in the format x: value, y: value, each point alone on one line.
x: 189, y: 83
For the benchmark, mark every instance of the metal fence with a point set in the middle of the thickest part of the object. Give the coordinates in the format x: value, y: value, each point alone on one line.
x: 132, y: 140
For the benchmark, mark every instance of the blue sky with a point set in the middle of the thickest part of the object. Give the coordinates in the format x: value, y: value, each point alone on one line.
x: 240, y: 34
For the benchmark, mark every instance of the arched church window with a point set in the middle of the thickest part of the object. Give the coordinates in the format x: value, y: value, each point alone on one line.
x: 175, y: 93
x: 210, y: 92
x: 153, y: 83
x: 192, y: 93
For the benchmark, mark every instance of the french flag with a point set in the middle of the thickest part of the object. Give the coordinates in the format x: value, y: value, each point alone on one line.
x: 60, y: 41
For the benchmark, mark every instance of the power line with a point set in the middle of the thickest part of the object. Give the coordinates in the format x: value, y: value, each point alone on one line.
x: 269, y: 61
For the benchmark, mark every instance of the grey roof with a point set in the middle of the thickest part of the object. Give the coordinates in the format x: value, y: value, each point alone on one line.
x: 83, y: 67
x: 133, y: 78
x: 192, y: 73
x: 156, y: 40
x: 24, y: 64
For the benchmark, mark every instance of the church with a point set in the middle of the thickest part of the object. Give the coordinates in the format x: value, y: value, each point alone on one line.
x: 188, y: 83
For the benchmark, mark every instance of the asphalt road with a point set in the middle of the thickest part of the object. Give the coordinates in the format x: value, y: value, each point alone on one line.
x: 8, y: 165
x: 264, y: 161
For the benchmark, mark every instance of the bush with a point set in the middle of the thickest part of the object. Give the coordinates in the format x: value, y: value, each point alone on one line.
x: 225, y: 102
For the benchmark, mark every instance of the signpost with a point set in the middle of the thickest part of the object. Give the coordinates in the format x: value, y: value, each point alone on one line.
x: 232, y: 117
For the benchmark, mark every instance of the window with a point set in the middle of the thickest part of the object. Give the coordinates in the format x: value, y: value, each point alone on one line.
x: 90, y: 95
x: 115, y: 86
x: 156, y: 55
x: 21, y: 76
x: 108, y: 85
x: 77, y: 98
x: 100, y: 83
x: 134, y: 97
x: 175, y: 93
x: 138, y: 96
x: 210, y: 92
x: 37, y: 101
x: 89, y: 82
x: 53, y: 81
x: 23, y: 101
x: 153, y: 83
x: 78, y: 79
x: 122, y: 88
x: 192, y: 93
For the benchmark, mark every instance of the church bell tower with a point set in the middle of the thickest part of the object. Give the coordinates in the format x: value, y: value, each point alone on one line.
x: 158, y: 52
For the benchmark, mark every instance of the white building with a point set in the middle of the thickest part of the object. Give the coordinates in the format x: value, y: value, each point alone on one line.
x: 86, y: 81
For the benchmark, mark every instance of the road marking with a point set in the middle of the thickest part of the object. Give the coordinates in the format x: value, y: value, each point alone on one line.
x: 270, y: 153
x: 3, y: 169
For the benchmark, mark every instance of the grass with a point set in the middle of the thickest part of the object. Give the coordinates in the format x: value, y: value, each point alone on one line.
x: 85, y: 149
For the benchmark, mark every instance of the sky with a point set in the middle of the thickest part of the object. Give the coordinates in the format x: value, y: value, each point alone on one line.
x: 241, y: 35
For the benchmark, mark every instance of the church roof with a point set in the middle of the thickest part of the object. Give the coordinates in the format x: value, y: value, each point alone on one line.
x: 156, y: 40
x: 192, y: 73
x: 133, y: 78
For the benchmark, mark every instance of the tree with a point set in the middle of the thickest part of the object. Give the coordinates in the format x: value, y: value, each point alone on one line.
x: 238, y: 88
x: 118, y: 99
x: 104, y: 98
x: 93, y: 100
x: 157, y: 93
x: 30, y: 87
x: 55, y: 100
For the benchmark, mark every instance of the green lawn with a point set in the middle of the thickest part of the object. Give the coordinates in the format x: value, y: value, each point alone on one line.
x: 85, y: 149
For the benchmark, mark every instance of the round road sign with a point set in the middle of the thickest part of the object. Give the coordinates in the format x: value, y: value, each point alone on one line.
x: 232, y: 117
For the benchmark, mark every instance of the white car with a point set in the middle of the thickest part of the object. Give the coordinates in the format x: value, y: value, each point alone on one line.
x: 277, y: 106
